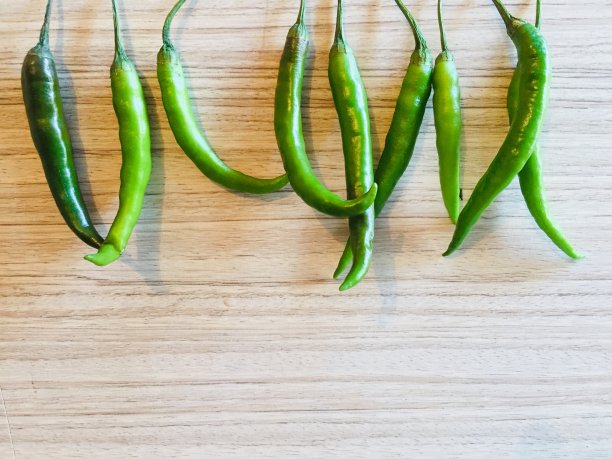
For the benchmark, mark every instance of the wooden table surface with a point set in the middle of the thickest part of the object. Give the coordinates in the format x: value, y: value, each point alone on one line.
x: 221, y: 333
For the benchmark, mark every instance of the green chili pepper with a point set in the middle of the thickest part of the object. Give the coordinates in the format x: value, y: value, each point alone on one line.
x: 531, y: 177
x: 184, y: 125
x: 447, y: 117
x: 131, y: 110
x: 525, y: 129
x: 404, y: 129
x: 351, y: 103
x: 44, y: 108
x: 289, y: 136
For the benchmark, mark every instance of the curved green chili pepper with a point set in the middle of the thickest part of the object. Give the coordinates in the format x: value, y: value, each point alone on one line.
x: 289, y: 136
x: 405, y: 125
x: 44, y: 108
x: 351, y: 103
x: 447, y: 117
x: 531, y: 177
x: 525, y: 129
x: 134, y: 135
x: 184, y: 125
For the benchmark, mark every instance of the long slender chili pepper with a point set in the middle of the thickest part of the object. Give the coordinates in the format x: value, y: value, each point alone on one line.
x: 43, y: 103
x: 447, y: 117
x: 525, y: 129
x: 184, y: 125
x: 131, y: 110
x: 289, y: 136
x: 531, y: 177
x: 351, y: 103
x: 404, y: 129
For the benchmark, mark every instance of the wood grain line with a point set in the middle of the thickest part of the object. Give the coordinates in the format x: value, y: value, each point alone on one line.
x: 8, y: 424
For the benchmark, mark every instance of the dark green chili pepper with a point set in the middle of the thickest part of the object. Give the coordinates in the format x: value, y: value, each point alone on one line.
x: 404, y: 129
x: 289, y: 136
x: 184, y: 125
x: 43, y: 103
x: 131, y: 110
x: 531, y: 177
x: 525, y: 129
x: 351, y: 103
x: 447, y: 117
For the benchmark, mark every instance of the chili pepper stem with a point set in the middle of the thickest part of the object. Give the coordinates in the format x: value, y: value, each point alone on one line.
x: 538, y: 13
x: 441, y: 26
x: 339, y: 35
x: 168, y: 23
x: 43, y: 41
x: 301, y: 12
x: 419, y: 40
x: 511, y: 22
x: 119, y: 48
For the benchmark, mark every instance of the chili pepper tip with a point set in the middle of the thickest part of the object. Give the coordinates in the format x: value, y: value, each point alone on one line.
x: 105, y: 256
x: 347, y: 286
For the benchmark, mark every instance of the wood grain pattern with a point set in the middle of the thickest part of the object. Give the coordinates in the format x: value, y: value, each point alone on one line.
x: 221, y: 334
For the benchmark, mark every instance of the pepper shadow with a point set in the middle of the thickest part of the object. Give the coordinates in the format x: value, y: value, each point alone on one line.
x: 257, y: 66
x: 148, y: 260
x: 385, y: 265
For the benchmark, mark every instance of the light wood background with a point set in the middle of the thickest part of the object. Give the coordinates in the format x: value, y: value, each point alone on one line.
x: 221, y: 334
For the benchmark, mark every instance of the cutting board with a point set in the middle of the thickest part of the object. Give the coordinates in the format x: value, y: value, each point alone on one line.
x: 220, y: 333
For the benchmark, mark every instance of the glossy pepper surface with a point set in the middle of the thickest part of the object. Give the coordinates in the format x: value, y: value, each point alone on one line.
x: 289, y: 134
x: 44, y: 108
x: 184, y: 124
x: 404, y: 129
x: 524, y: 132
x: 531, y: 176
x: 448, y: 121
x: 131, y: 110
x: 351, y: 103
